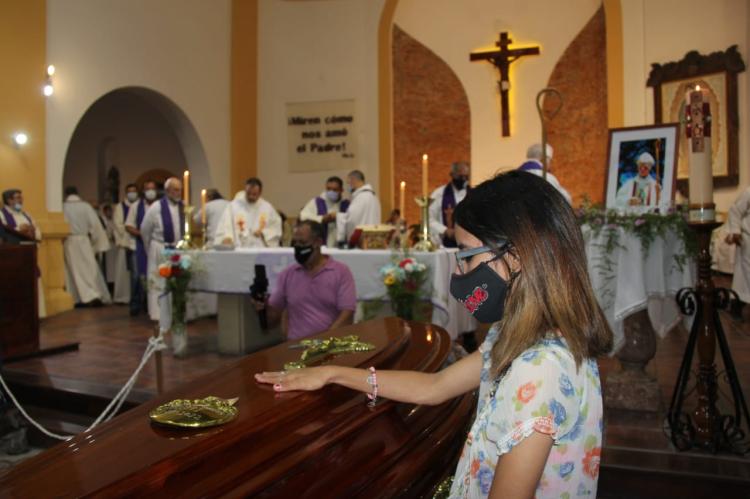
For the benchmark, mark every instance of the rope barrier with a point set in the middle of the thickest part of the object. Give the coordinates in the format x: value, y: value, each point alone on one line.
x: 154, y: 344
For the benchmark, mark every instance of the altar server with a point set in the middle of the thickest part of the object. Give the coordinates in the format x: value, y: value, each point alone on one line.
x: 364, y: 208
x: 83, y: 277
x: 215, y: 206
x: 323, y: 209
x: 249, y: 221
x: 534, y: 165
x: 444, y: 200
x: 738, y: 229
x: 162, y: 226
x: 15, y: 217
x: 138, y: 258
x: 642, y: 189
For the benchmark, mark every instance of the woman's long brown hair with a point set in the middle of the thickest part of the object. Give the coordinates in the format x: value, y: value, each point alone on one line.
x: 552, y: 291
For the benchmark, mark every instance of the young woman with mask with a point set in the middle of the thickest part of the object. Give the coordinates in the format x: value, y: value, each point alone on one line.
x: 521, y: 266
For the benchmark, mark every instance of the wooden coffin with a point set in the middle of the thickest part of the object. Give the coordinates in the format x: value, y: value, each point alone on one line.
x: 327, y: 443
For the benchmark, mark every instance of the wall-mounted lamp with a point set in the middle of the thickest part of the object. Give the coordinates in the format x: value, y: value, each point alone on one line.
x: 20, y: 139
x: 48, y: 89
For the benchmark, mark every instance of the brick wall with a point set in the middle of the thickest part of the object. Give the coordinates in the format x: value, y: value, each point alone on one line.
x: 578, y: 133
x: 430, y: 115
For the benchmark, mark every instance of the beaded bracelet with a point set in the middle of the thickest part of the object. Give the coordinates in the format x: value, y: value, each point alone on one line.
x: 372, y: 380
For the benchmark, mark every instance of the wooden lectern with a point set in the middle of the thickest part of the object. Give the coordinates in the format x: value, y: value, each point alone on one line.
x: 19, y: 314
x: 327, y: 443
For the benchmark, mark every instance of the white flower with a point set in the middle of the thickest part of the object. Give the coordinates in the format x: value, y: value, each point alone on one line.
x: 409, y: 267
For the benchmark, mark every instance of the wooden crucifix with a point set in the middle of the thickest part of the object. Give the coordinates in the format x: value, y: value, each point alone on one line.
x: 502, y: 59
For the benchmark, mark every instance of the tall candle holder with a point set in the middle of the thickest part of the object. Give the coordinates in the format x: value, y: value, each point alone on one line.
x: 187, y: 239
x: 425, y: 242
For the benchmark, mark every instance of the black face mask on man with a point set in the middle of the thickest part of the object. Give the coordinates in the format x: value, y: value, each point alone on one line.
x: 303, y: 253
x: 460, y: 182
x: 482, y: 292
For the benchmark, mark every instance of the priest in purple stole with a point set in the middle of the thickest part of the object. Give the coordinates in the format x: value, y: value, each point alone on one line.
x: 323, y: 209
x: 162, y: 227
x: 533, y: 164
x: 13, y: 215
x: 444, y: 201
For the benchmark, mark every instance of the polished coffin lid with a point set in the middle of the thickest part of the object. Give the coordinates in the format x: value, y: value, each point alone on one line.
x: 327, y: 443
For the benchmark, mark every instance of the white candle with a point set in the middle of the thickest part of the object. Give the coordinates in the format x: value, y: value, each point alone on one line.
x: 203, y: 209
x: 186, y: 187
x: 402, y: 200
x: 425, y: 180
x: 701, y: 175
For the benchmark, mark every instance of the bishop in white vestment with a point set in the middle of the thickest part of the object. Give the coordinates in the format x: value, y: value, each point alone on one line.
x: 83, y: 277
x: 534, y: 165
x: 13, y: 215
x: 249, y: 221
x: 324, y: 208
x: 364, y: 208
x: 642, y: 190
x: 444, y: 201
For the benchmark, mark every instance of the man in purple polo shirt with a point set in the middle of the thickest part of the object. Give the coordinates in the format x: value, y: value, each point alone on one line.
x: 318, y: 292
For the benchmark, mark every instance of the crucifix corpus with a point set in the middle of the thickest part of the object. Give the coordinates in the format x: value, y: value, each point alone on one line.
x: 502, y: 59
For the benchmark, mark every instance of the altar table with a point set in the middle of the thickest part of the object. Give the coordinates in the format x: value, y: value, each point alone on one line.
x: 232, y: 272
x: 626, y: 280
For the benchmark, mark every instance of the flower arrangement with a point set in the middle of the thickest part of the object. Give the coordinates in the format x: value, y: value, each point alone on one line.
x: 177, y: 270
x: 645, y: 226
x: 404, y: 279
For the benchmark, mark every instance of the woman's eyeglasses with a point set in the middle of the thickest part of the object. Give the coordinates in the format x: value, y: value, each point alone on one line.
x: 463, y: 256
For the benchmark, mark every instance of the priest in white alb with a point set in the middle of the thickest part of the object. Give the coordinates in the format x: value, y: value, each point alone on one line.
x: 364, y: 207
x: 249, y: 221
x: 323, y: 209
x: 215, y: 206
x: 13, y: 215
x: 444, y: 201
x: 162, y: 226
x: 124, y: 243
x: 83, y: 276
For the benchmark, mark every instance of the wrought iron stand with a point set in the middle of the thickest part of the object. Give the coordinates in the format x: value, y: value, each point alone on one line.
x: 705, y: 427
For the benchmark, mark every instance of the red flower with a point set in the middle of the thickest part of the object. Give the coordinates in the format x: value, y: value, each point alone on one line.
x: 591, y: 462
x: 165, y: 271
x: 175, y: 258
x: 176, y: 270
x: 406, y: 261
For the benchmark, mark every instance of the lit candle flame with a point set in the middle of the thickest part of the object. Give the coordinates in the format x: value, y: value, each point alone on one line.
x: 697, y: 88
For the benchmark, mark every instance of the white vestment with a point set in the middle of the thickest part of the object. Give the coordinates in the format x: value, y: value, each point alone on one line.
x: 241, y: 220
x: 437, y: 227
x: 739, y: 223
x: 364, y: 209
x: 550, y: 178
x: 214, y: 211
x: 20, y: 217
x: 83, y: 277
x: 123, y: 242
x: 310, y: 212
x: 643, y: 189
x: 152, y: 233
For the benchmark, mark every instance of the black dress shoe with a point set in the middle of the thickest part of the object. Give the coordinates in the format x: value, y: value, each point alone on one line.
x: 95, y: 303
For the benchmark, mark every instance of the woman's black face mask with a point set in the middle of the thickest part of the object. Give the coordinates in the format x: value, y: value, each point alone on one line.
x: 482, y: 291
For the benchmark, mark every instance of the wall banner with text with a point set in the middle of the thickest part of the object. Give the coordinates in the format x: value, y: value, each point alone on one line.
x: 322, y: 135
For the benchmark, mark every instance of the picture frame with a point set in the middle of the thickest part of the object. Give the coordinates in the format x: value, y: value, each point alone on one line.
x: 641, y: 173
x: 717, y: 74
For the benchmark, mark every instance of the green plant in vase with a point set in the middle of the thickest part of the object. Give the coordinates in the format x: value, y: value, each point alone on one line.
x: 177, y: 272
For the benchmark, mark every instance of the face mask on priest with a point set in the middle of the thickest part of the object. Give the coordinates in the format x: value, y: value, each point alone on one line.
x: 150, y: 194
x: 18, y: 207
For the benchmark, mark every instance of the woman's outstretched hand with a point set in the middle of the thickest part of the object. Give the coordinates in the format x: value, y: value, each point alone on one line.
x: 308, y: 379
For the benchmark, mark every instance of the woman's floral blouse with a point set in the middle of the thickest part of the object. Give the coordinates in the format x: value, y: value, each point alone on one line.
x: 542, y: 392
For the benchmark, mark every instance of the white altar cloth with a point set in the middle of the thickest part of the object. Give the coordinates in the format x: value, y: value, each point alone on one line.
x: 636, y: 281
x: 233, y: 272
